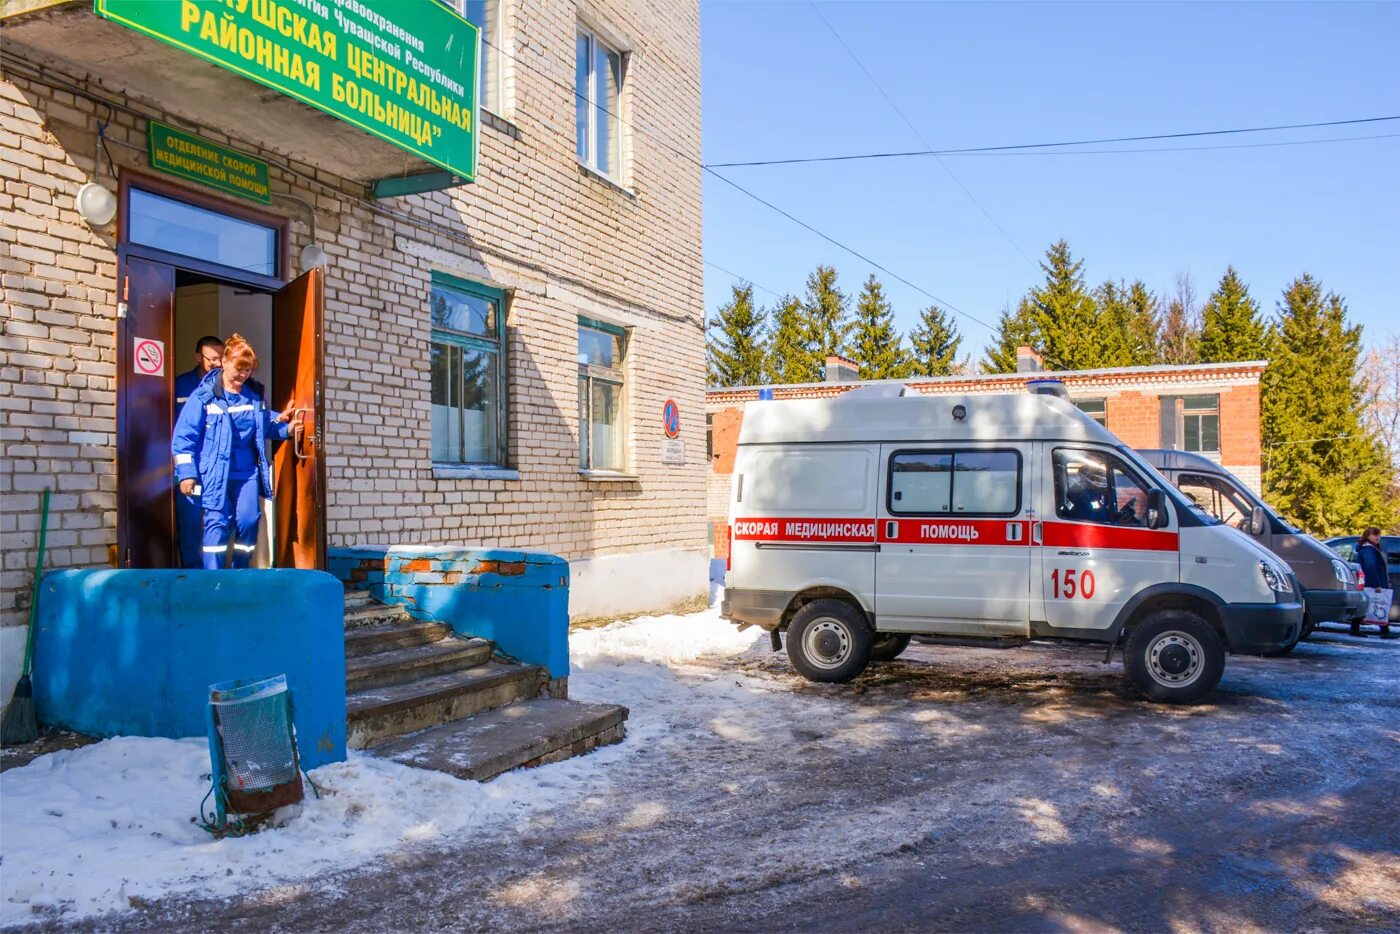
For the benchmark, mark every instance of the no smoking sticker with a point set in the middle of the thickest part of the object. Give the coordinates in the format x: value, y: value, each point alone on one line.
x: 149, y: 356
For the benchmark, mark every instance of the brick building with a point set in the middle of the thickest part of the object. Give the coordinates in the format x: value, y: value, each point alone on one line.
x: 480, y: 363
x: 1209, y: 408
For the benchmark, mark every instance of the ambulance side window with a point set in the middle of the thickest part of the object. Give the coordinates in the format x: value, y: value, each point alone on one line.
x: 955, y: 483
x: 1091, y: 486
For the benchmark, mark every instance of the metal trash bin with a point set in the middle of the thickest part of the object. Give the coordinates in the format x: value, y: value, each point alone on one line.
x: 252, y: 747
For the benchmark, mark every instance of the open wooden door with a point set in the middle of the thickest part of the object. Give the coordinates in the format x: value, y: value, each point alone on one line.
x: 299, y: 466
x: 145, y: 416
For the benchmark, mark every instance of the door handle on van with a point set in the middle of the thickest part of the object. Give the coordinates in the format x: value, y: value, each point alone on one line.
x: 1035, y: 533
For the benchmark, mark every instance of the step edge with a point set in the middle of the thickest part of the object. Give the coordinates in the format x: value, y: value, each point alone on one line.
x: 507, y: 675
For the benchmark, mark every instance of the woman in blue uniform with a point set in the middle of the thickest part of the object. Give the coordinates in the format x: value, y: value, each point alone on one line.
x: 220, y: 445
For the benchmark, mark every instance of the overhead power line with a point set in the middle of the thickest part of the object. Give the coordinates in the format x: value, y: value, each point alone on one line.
x: 744, y: 279
x: 967, y: 150
x: 768, y: 204
x: 1152, y: 149
x: 918, y: 135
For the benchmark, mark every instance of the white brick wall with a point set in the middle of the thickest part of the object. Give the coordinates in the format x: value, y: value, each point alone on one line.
x: 562, y: 241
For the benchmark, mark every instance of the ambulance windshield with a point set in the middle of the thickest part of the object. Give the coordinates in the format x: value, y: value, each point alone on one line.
x: 1169, y: 488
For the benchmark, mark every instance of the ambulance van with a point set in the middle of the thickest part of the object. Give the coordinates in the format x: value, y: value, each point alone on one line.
x: 858, y: 521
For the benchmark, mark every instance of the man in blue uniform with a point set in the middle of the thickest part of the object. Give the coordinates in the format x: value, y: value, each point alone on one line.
x: 189, y: 520
x: 220, y: 445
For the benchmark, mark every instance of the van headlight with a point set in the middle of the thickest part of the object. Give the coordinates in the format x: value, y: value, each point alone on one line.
x: 1341, y: 571
x: 1276, y: 579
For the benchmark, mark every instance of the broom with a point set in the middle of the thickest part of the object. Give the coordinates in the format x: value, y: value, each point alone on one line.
x: 19, y: 725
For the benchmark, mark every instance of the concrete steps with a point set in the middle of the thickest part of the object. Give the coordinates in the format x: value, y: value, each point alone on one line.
x: 419, y: 694
x: 529, y: 733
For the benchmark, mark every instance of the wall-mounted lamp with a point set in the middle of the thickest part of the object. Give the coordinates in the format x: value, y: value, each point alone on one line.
x: 313, y: 257
x: 96, y: 204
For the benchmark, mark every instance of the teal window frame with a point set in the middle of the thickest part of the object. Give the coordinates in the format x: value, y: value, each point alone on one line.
x: 477, y: 343
x: 615, y: 376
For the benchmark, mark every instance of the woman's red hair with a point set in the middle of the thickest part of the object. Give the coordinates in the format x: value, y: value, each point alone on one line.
x: 237, y: 350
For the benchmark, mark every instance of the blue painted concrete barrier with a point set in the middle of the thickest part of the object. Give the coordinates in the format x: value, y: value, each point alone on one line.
x: 517, y: 599
x: 133, y: 652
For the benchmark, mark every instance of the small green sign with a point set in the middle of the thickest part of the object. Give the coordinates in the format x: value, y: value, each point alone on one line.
x: 404, y: 71
x: 199, y: 160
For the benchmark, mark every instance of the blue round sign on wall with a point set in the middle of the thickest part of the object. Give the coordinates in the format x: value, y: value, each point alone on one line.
x: 671, y: 418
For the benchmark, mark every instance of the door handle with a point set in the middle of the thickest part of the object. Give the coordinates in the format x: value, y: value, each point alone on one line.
x: 307, y: 435
x: 1036, y: 533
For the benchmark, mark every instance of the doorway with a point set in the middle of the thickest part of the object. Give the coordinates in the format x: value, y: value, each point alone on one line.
x: 190, y: 266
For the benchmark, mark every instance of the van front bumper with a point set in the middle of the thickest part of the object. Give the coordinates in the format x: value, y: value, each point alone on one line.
x: 1335, y: 606
x: 762, y: 608
x: 1256, y: 628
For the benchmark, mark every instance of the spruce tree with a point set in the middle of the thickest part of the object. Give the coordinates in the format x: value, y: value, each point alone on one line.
x: 875, y: 345
x: 1127, y: 324
x: 1322, y: 467
x: 791, y: 354
x: 935, y: 343
x: 1013, y: 330
x: 826, y: 308
x: 1064, y: 314
x: 1231, y: 327
x: 735, y: 350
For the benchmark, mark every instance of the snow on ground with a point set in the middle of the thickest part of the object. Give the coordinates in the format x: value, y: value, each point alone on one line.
x: 111, y: 826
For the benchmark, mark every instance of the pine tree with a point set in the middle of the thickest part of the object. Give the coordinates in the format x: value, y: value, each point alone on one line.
x: 935, y: 343
x: 1144, y: 325
x: 1231, y: 327
x: 1064, y: 314
x: 736, y: 349
x: 826, y: 308
x: 1013, y: 330
x: 875, y: 345
x: 1181, y: 325
x: 791, y: 354
x: 1322, y: 467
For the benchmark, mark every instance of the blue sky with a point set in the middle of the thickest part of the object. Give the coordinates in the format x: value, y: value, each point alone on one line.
x: 778, y: 84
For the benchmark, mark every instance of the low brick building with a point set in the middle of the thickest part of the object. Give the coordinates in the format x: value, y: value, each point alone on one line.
x: 1209, y: 408
x: 480, y: 363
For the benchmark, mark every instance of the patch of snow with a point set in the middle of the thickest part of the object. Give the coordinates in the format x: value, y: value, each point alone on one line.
x: 108, y: 827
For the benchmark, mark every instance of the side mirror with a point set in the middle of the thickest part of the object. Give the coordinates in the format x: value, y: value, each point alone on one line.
x: 1157, y: 516
x: 1258, y: 521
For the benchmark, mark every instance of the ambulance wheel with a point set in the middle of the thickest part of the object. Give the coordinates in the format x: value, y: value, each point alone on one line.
x: 1174, y: 656
x: 829, y: 640
x: 887, y: 646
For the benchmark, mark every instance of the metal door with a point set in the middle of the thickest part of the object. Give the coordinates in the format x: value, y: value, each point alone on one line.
x: 145, y: 400
x: 299, y: 464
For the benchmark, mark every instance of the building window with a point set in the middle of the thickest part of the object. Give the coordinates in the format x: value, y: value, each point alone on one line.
x: 1200, y: 424
x: 709, y: 436
x: 1097, y: 409
x: 468, y: 373
x: 598, y: 105
x: 486, y: 15
x: 962, y: 483
x: 602, y: 350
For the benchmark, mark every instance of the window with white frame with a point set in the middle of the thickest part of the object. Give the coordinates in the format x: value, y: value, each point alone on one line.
x: 468, y: 373
x: 486, y: 15
x: 602, y: 349
x: 1097, y: 409
x: 1200, y: 423
x: 598, y: 104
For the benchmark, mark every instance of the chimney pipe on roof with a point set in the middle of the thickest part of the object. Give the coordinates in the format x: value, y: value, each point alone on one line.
x: 841, y: 370
x: 1028, y: 361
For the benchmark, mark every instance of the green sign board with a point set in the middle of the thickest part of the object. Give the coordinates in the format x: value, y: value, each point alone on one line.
x: 199, y: 160
x: 404, y: 71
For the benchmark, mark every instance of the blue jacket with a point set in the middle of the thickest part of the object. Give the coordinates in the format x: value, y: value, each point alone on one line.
x: 203, y: 439
x: 1373, y: 571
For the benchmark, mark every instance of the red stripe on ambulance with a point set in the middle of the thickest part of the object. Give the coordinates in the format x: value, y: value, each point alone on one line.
x: 954, y: 531
x: 804, y: 530
x: 1080, y: 535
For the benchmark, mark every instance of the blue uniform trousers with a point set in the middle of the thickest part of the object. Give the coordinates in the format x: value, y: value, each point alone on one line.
x: 237, y: 521
x: 189, y: 524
